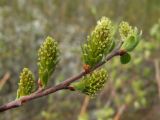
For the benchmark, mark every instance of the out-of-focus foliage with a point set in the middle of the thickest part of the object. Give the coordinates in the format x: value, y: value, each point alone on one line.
x: 155, y: 30
x: 26, y: 23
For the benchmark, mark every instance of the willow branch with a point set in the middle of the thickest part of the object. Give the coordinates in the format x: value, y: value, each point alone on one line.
x: 63, y: 85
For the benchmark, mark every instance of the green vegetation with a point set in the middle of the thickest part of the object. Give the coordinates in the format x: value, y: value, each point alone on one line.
x: 132, y: 87
x: 92, y: 83
x: 26, y: 84
x: 47, y: 59
x: 98, y: 43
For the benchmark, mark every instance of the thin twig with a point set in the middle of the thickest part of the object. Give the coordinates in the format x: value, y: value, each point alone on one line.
x: 4, y: 79
x: 120, y: 112
x: 63, y: 85
x: 123, y: 108
x: 84, y: 106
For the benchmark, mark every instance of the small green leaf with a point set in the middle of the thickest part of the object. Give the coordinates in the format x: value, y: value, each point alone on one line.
x: 44, y: 78
x: 130, y: 43
x: 125, y: 58
x: 79, y: 85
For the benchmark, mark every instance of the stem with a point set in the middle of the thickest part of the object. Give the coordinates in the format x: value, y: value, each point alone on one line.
x: 4, y: 80
x: 63, y: 85
x: 84, y: 105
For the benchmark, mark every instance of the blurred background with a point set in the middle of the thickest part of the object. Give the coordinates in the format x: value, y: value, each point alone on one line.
x: 133, y: 91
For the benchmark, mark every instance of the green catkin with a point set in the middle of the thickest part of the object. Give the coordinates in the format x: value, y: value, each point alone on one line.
x: 98, y: 42
x: 26, y: 83
x: 92, y: 83
x: 48, y: 57
x: 129, y: 35
x: 125, y: 30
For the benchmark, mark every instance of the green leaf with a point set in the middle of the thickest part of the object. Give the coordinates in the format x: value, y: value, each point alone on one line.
x: 125, y: 58
x: 44, y: 78
x: 79, y: 85
x: 130, y: 43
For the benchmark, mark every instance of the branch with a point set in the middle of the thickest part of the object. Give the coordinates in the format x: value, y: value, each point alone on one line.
x: 120, y: 112
x: 63, y: 85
